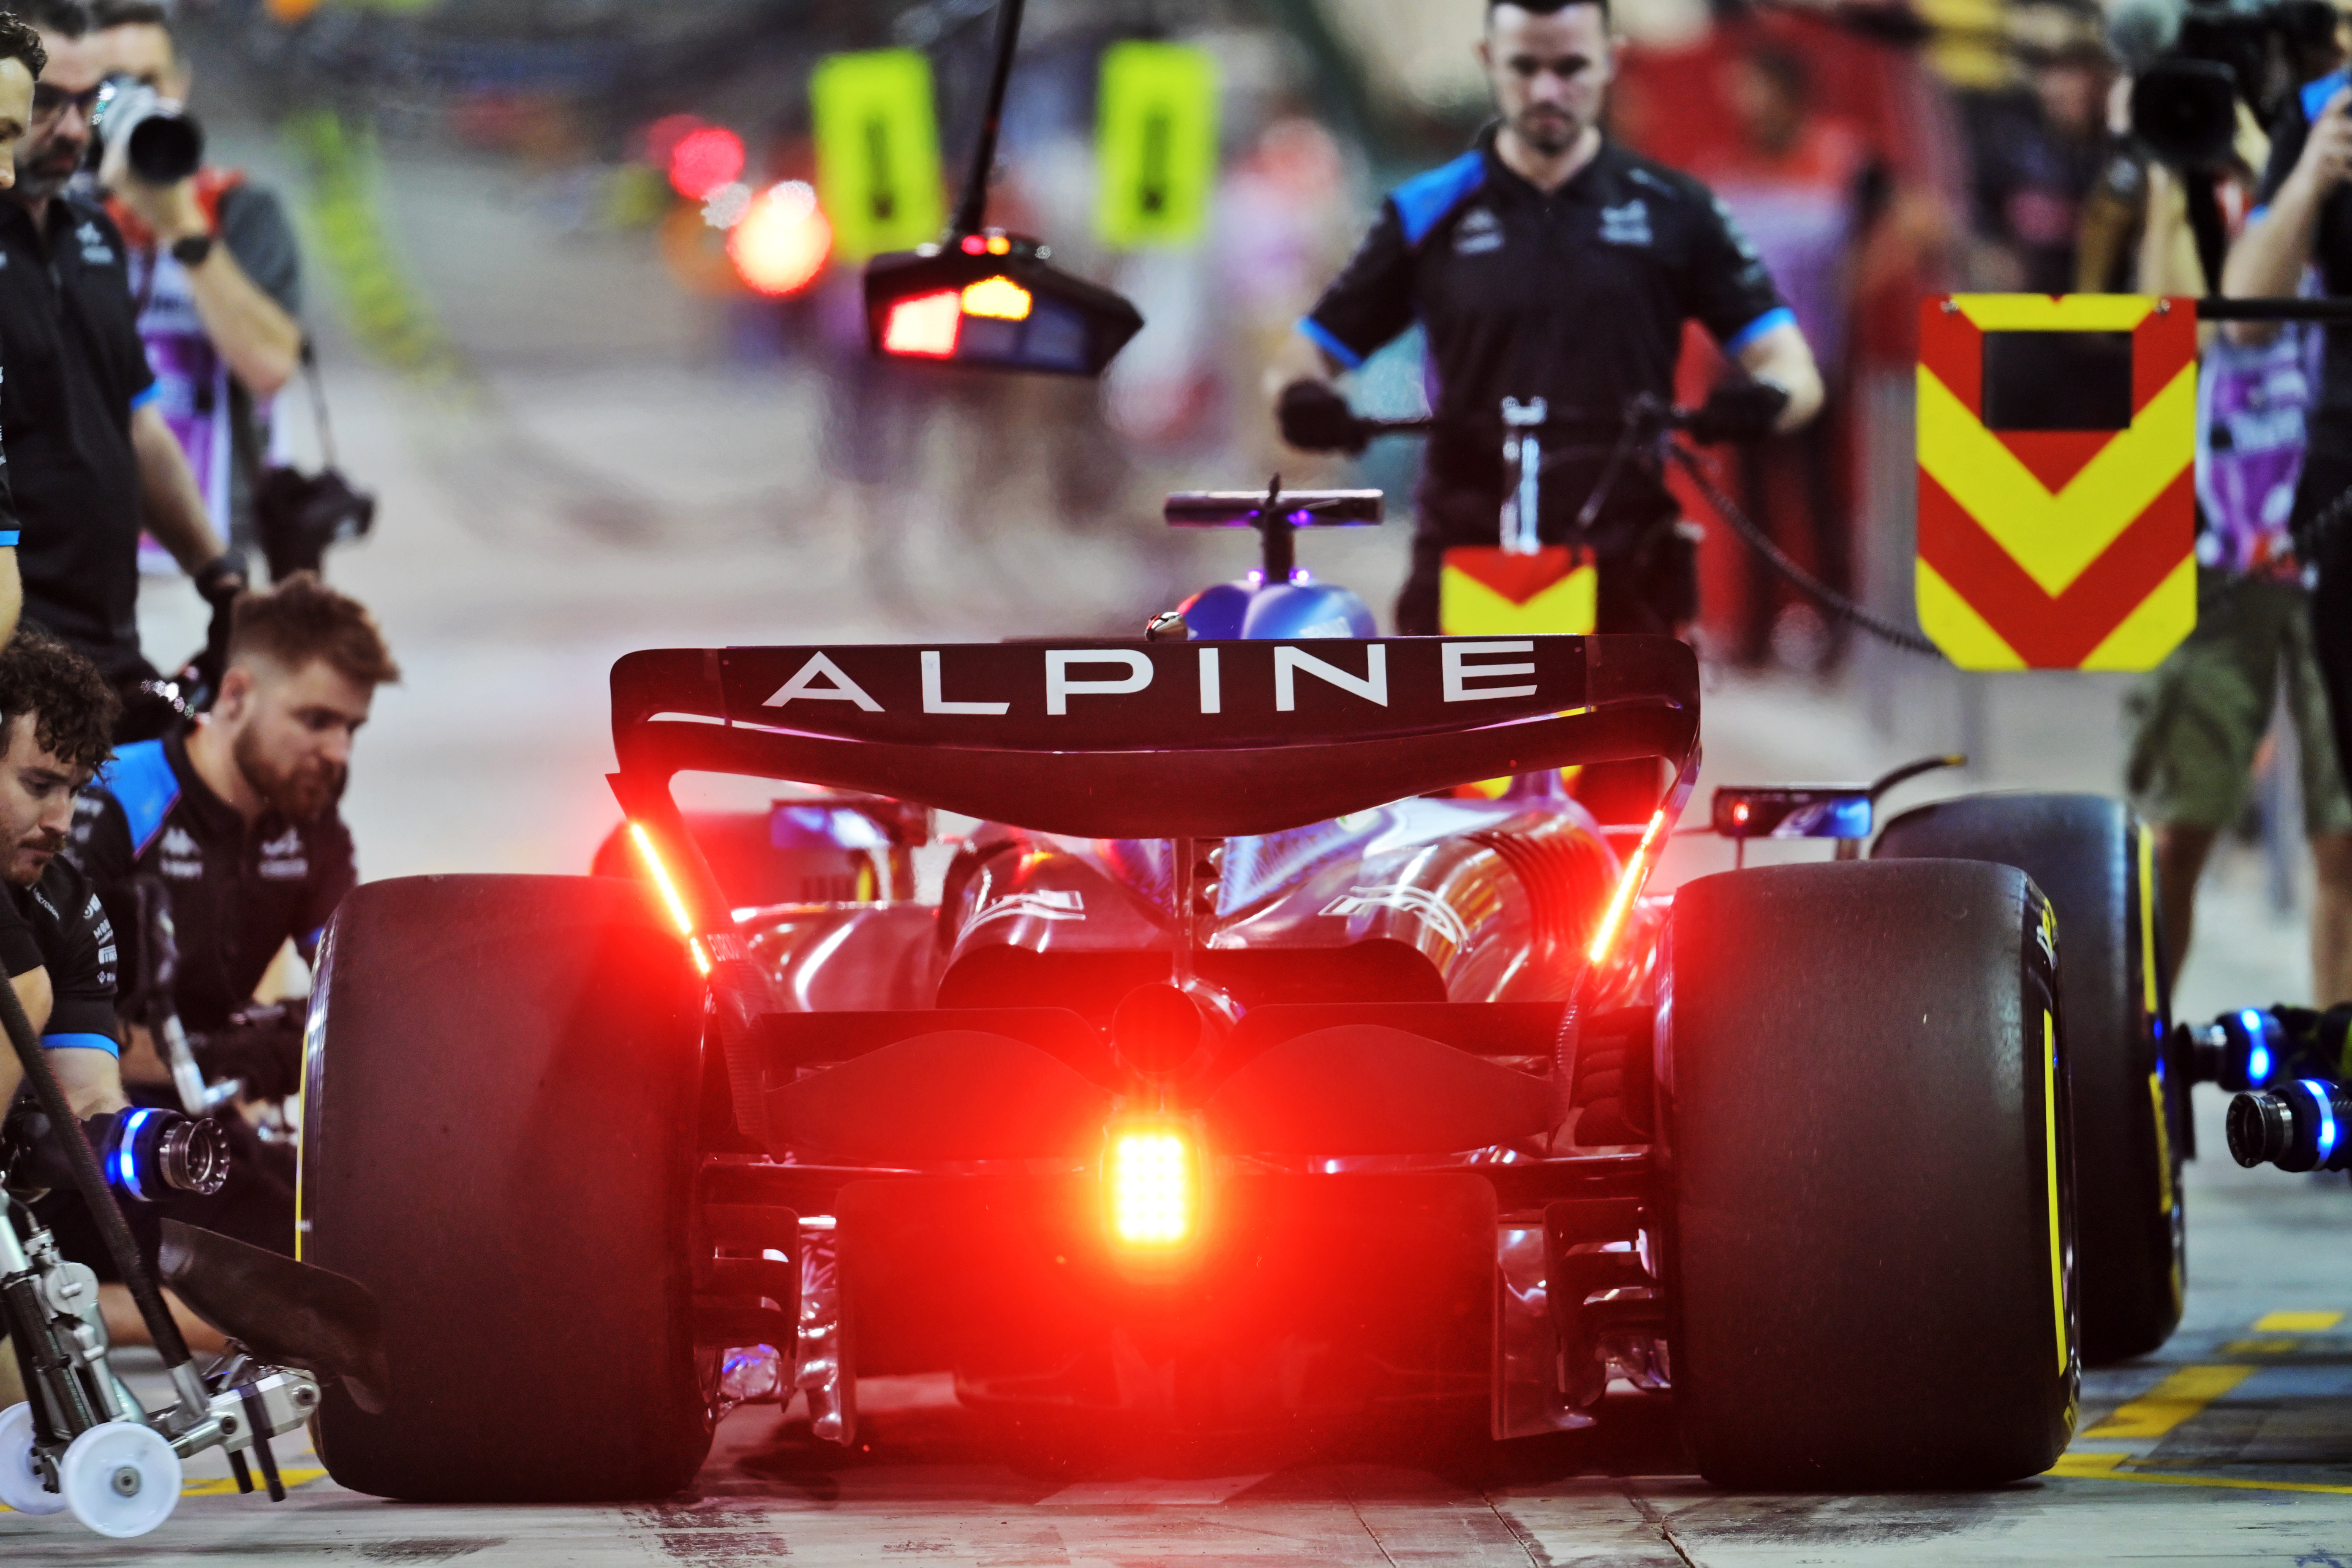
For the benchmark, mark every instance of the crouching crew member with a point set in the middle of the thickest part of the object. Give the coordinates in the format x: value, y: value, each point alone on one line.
x: 230, y: 823
x: 57, y: 718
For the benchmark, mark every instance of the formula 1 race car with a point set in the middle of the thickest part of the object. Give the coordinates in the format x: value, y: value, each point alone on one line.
x: 1243, y: 1073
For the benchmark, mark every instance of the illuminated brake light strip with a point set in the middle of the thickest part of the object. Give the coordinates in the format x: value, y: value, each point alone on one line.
x: 1628, y: 886
x: 1152, y: 1188
x: 669, y: 893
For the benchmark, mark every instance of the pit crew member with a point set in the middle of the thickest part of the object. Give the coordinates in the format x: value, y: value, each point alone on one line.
x: 235, y: 817
x: 91, y: 460
x: 21, y: 60
x: 1550, y: 262
x: 56, y: 718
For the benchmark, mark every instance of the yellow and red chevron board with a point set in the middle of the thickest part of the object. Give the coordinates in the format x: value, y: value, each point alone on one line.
x: 1484, y: 590
x: 2057, y: 549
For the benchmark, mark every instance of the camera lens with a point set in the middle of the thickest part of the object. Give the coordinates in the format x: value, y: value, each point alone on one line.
x: 165, y: 148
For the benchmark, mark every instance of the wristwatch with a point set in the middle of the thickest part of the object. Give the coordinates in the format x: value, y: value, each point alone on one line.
x: 192, y: 251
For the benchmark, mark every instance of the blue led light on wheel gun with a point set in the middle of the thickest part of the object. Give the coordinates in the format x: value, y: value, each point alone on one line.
x: 147, y: 1152
x: 2258, y: 1054
x: 2296, y: 1127
x: 126, y: 1161
x: 2241, y: 1049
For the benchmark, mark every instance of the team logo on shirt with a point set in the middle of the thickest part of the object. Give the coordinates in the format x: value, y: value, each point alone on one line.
x: 1478, y: 233
x: 94, y: 252
x: 182, y: 859
x: 282, y: 859
x: 1627, y: 224
x: 101, y: 931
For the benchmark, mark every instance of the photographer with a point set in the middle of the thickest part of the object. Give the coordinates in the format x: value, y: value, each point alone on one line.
x: 235, y: 818
x: 217, y: 276
x: 2305, y: 221
x: 2198, y: 719
x: 91, y: 460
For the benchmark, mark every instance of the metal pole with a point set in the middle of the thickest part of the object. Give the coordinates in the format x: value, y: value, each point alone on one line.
x: 973, y: 210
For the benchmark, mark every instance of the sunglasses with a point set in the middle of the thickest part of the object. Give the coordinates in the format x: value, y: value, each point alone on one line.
x: 49, y: 102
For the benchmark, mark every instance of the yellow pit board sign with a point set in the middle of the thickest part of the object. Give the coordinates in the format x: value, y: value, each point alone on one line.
x: 877, y: 151
x: 1155, y: 145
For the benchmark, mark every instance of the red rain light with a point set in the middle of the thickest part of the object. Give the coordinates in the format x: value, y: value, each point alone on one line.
x: 925, y: 326
x: 703, y: 160
x: 1154, y: 1186
x: 669, y: 890
x: 781, y: 242
x: 1628, y: 885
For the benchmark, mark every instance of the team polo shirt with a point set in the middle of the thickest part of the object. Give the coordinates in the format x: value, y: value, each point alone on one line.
x: 75, y: 368
x: 237, y: 892
x: 1578, y: 297
x: 59, y: 924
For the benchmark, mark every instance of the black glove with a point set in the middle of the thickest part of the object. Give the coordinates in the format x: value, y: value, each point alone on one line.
x: 262, y: 1046
x: 1739, y: 411
x: 219, y: 581
x: 1314, y: 418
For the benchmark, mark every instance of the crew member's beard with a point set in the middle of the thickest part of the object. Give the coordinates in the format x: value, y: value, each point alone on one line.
x: 47, y: 844
x: 301, y: 792
x: 1550, y: 134
x: 43, y: 174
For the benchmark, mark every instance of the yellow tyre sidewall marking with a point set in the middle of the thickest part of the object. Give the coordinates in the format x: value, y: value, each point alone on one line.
x: 2049, y: 1161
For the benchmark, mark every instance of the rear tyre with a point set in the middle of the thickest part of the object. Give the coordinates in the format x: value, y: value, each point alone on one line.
x: 1868, y: 1222
x: 2090, y: 855
x: 499, y: 1140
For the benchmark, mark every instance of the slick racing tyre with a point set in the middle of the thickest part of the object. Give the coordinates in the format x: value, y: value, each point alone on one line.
x: 1868, y: 1221
x: 2091, y: 857
x: 497, y: 1139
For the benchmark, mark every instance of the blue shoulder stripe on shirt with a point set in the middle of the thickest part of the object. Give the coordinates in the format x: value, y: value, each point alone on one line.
x: 1422, y: 202
x: 1778, y: 316
x: 2316, y: 94
x: 1323, y: 338
x: 8, y: 538
x: 146, y: 395
x: 82, y: 1043
x: 141, y: 780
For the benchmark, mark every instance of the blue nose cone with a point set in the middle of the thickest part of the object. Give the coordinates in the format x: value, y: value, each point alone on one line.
x: 1300, y: 610
x: 1216, y: 612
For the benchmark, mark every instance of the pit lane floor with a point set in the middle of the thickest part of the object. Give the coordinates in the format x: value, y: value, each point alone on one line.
x: 2234, y: 1445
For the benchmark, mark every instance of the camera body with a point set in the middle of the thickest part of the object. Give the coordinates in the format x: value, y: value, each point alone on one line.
x: 2194, y: 61
x: 162, y: 142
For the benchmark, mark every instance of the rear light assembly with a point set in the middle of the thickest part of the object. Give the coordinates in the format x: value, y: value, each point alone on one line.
x: 666, y: 885
x: 1155, y: 1186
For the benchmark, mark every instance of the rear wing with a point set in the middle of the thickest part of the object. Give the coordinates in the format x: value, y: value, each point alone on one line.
x: 1131, y: 740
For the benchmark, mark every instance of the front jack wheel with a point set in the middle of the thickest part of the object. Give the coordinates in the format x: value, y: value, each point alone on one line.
x: 120, y: 1479
x: 20, y: 1484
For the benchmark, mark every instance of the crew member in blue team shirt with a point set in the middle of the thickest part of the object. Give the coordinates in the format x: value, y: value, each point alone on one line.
x: 1549, y: 262
x: 234, y: 818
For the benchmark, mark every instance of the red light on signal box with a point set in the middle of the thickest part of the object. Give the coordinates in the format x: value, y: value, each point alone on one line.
x: 703, y: 160
x: 780, y: 243
x: 924, y: 326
